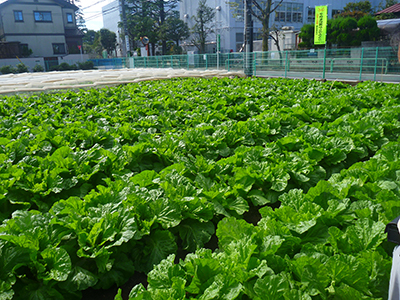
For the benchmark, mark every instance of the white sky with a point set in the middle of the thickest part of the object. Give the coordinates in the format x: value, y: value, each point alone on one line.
x: 92, y: 12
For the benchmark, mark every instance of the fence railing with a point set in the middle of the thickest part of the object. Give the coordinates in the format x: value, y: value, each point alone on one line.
x: 378, y: 64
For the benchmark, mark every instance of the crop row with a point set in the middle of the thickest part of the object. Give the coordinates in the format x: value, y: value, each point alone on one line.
x: 100, y: 184
x: 323, y: 244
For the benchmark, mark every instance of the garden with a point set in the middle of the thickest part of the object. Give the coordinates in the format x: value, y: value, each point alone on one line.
x: 229, y: 188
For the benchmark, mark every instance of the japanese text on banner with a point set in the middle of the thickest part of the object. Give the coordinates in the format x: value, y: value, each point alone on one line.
x: 321, y: 21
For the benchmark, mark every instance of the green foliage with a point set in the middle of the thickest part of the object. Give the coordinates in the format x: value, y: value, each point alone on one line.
x: 7, y: 69
x: 307, y: 36
x: 155, y: 19
x: 176, y: 30
x: 64, y: 67
x: 386, y: 4
x: 367, y: 29
x: 86, y: 65
x: 91, y: 43
x: 108, y: 40
x: 38, y: 68
x: 343, y: 31
x: 203, y: 26
x: 21, y: 68
x: 100, y: 184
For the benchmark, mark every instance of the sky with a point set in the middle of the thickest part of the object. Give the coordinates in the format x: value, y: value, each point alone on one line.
x: 92, y: 12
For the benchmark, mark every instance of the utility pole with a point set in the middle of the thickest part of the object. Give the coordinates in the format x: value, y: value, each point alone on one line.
x: 125, y: 24
x: 248, y: 39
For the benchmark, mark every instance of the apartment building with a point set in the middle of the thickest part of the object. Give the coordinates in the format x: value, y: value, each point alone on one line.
x: 291, y: 14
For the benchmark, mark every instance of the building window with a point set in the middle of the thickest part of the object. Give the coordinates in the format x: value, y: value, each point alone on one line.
x: 42, y: 16
x: 69, y: 18
x: 311, y: 15
x: 18, y: 17
x: 289, y: 12
x: 59, y: 48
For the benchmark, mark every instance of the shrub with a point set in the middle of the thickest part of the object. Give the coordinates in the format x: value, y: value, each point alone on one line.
x: 64, y: 67
x: 38, y: 68
x: 21, y: 68
x: 87, y: 65
x: 7, y: 70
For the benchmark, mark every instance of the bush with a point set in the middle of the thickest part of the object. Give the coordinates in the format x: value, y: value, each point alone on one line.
x: 63, y: 67
x: 7, y: 70
x: 38, y: 68
x: 87, y: 65
x: 21, y: 68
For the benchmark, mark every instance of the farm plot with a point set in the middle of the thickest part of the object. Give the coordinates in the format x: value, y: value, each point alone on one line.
x: 293, y: 180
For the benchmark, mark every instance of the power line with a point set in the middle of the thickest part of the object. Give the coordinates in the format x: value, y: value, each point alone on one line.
x: 98, y: 2
x: 105, y: 12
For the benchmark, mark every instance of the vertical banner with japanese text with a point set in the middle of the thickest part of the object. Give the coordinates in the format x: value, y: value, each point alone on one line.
x: 321, y: 21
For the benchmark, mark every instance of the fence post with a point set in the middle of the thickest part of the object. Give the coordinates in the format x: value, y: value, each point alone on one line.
x: 324, y: 66
x: 206, y: 61
x: 172, y: 62
x: 286, y: 63
x: 376, y: 62
x: 255, y: 63
x: 361, y: 63
x: 229, y: 61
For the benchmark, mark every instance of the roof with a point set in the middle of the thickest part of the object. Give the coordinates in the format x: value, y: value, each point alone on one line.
x: 62, y: 3
x: 392, y: 9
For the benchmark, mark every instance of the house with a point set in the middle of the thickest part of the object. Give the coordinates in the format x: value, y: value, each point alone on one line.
x: 46, y: 27
x: 394, y: 10
x: 291, y: 14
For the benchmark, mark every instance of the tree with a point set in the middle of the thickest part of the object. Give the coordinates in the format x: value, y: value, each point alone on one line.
x: 356, y: 10
x: 343, y: 32
x: 176, y: 29
x: 307, y: 36
x: 80, y: 20
x: 367, y: 29
x: 91, y: 43
x: 140, y: 21
x: 162, y: 10
x: 261, y: 10
x: 204, y: 21
x: 385, y: 4
x: 108, y: 40
x: 147, y: 18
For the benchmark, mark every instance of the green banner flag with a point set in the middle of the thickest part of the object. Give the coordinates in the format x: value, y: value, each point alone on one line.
x: 321, y: 22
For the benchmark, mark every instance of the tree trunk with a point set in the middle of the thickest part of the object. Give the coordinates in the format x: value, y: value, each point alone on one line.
x: 265, y: 32
x: 162, y: 20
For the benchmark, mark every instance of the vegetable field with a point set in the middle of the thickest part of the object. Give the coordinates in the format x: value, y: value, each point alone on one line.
x: 213, y: 188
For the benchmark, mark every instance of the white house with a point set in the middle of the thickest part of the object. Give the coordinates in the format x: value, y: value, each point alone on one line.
x: 47, y: 27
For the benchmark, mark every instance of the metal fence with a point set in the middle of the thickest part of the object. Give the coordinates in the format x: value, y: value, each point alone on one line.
x: 228, y: 61
x: 377, y: 64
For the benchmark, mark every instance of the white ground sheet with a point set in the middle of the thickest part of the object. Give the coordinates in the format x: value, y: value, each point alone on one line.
x: 40, y: 82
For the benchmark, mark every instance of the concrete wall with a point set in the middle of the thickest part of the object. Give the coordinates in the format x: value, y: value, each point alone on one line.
x: 29, y: 62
